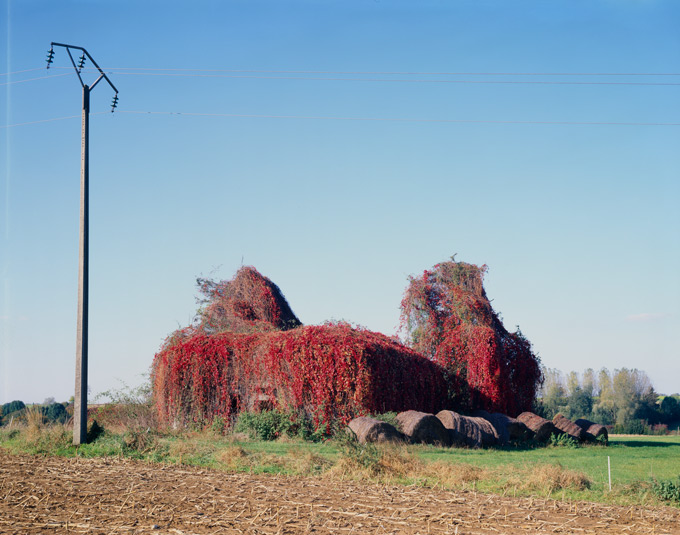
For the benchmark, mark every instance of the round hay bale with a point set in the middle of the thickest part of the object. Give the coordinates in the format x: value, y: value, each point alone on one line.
x: 457, y: 429
x: 474, y: 432
x: 516, y: 430
x: 486, y: 430
x: 593, y: 431
x: 567, y: 426
x: 421, y: 427
x: 540, y: 426
x: 499, y: 425
x: 371, y: 430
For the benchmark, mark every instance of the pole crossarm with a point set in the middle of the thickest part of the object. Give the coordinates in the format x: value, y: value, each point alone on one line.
x: 102, y: 74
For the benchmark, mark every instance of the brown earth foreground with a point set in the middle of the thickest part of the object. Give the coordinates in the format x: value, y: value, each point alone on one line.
x: 58, y: 495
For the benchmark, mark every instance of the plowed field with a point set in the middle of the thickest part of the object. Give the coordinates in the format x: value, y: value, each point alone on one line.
x: 58, y: 495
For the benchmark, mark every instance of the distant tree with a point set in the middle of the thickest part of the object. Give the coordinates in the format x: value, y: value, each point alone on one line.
x: 648, y: 407
x: 12, y: 406
x: 604, y: 411
x: 554, y: 395
x: 670, y: 409
x: 589, y: 383
x: 55, y: 412
x: 580, y: 404
x: 630, y: 386
x: 573, y: 383
x: 49, y: 401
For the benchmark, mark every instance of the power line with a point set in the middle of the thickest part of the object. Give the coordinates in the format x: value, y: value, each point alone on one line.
x: 341, y: 118
x: 387, y: 80
x: 395, y: 73
x: 51, y: 120
x: 220, y: 73
x: 394, y: 119
x: 20, y: 72
x: 34, y: 79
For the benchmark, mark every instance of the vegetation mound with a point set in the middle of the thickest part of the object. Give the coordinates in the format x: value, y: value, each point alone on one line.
x: 449, y: 319
x: 248, y: 303
x: 331, y: 373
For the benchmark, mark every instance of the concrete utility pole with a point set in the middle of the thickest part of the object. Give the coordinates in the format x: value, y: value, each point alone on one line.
x: 80, y: 403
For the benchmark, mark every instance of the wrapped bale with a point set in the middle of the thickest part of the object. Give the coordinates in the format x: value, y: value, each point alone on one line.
x: 592, y: 431
x: 540, y: 426
x: 421, y: 427
x: 371, y: 430
x: 471, y: 431
x: 567, y: 426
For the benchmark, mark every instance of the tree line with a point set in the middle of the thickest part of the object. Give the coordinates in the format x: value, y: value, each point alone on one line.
x: 624, y: 399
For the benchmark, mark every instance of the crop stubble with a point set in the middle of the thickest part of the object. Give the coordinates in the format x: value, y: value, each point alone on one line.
x: 59, y: 495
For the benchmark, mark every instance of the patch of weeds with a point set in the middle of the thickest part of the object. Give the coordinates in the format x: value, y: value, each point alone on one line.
x: 387, y: 417
x: 667, y: 489
x: 363, y: 455
x: 552, y: 477
x: 274, y: 424
x: 219, y: 426
x: 563, y: 440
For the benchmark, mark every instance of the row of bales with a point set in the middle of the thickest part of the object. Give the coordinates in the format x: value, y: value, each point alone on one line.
x: 247, y: 351
x: 483, y: 429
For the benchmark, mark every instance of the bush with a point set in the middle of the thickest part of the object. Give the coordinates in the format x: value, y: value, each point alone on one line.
x: 128, y: 408
x: 56, y: 413
x: 668, y: 489
x: 265, y: 425
x: 272, y: 424
x: 632, y: 427
x: 562, y: 440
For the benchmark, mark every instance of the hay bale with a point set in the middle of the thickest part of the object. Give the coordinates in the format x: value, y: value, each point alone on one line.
x: 453, y: 422
x: 421, y: 427
x: 471, y: 431
x: 516, y: 430
x: 567, y: 426
x: 506, y: 428
x: 371, y: 430
x: 540, y: 426
x: 499, y: 427
x: 592, y: 431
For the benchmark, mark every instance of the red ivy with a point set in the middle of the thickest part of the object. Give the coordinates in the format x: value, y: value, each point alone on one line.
x: 449, y: 319
x: 332, y: 372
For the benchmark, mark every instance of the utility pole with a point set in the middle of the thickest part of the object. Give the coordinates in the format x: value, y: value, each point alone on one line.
x: 80, y: 398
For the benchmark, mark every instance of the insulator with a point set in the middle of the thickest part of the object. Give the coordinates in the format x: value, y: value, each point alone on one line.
x: 81, y: 63
x: 50, y: 56
x: 114, y: 102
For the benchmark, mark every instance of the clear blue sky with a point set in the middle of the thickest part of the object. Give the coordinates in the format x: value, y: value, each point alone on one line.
x: 579, y: 223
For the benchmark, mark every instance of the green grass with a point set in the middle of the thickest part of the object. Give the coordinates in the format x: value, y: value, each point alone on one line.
x: 635, y: 461
x: 556, y: 472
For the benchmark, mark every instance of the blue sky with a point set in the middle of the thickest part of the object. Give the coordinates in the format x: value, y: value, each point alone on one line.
x: 289, y: 170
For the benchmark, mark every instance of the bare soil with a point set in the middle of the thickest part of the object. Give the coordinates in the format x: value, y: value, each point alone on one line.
x: 59, y: 495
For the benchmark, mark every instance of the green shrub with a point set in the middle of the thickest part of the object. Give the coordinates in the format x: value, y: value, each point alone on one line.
x: 632, y: 427
x: 667, y: 489
x: 56, y: 413
x: 563, y: 440
x: 272, y: 424
x: 387, y: 417
x: 265, y: 425
x: 219, y: 425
